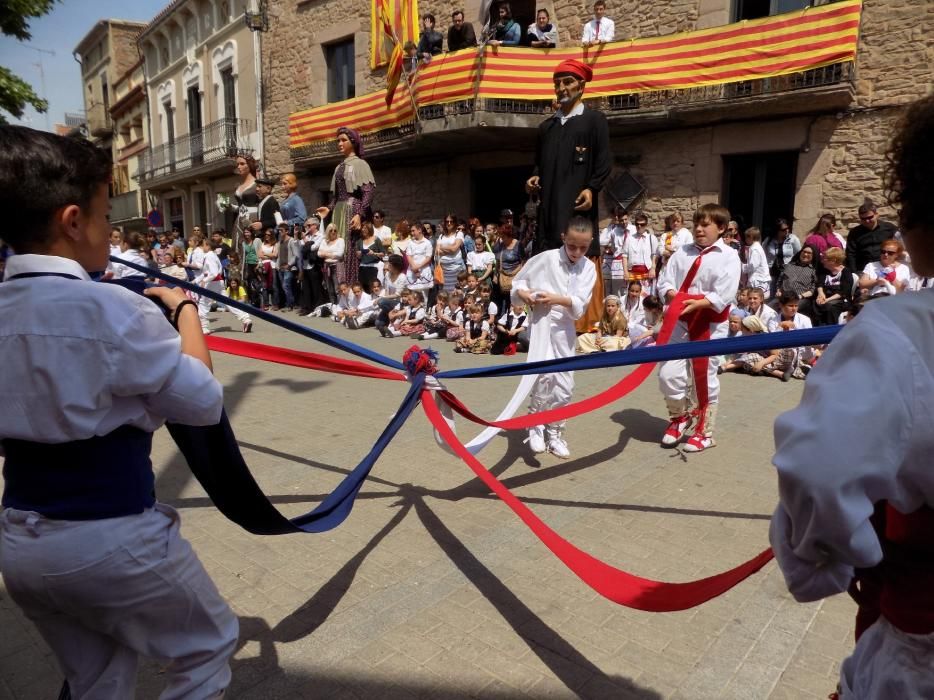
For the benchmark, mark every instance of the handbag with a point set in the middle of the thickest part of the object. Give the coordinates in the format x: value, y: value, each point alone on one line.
x: 439, y: 274
x: 504, y: 279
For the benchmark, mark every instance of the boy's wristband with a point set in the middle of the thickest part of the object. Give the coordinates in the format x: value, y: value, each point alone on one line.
x: 178, y: 310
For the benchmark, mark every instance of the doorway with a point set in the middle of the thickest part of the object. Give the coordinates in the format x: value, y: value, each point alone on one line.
x: 760, y: 188
x: 495, y: 189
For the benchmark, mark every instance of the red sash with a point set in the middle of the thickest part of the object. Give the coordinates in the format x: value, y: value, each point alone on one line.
x: 639, y: 272
x: 698, y: 324
x: 899, y: 588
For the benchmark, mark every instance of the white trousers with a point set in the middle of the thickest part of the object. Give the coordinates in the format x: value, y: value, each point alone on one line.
x: 676, y: 378
x: 551, y: 391
x: 889, y: 663
x: 204, y: 305
x: 102, y: 592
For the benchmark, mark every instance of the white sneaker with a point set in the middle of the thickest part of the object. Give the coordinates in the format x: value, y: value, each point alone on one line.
x: 558, y: 447
x: 536, y: 439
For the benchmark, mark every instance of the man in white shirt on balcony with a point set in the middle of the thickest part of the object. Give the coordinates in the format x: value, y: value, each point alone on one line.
x: 600, y: 29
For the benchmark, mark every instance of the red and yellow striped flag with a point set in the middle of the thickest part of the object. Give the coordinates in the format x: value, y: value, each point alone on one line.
x: 388, y: 18
x: 394, y: 72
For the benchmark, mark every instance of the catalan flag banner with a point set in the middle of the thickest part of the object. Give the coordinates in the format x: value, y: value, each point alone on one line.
x: 749, y: 50
x: 389, y: 18
x: 393, y: 74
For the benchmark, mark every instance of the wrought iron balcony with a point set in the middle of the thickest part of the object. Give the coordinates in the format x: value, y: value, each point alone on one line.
x: 126, y: 206
x: 218, y: 141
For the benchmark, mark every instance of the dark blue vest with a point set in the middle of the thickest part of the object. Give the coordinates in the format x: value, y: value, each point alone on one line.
x: 103, y: 477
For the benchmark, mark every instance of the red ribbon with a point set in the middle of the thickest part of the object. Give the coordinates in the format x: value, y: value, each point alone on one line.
x: 297, y: 358
x: 614, y: 584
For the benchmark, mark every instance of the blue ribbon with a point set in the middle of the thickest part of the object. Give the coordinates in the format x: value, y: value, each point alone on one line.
x: 344, y: 345
x: 657, y: 353
x: 214, y: 457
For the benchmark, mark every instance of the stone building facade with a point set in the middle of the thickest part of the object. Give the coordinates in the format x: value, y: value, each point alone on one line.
x: 202, y: 85
x: 794, y: 147
x: 113, y: 101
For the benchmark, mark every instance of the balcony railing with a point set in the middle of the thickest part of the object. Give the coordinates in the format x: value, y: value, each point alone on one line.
x: 217, y: 141
x: 99, y: 122
x: 126, y: 206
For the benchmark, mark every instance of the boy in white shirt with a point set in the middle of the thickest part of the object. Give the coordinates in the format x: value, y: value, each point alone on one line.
x: 211, y: 277
x: 90, y: 370
x: 556, y: 285
x: 708, y: 271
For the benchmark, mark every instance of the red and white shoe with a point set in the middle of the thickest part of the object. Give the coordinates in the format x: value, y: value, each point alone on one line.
x: 676, y: 430
x: 698, y: 443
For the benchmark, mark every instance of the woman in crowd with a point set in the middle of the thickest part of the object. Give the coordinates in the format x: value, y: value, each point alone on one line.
x: 392, y: 291
x: 352, y: 190
x: 401, y: 239
x: 245, y: 197
x: 675, y: 236
x: 822, y: 236
x: 174, y: 259
x: 370, y: 252
x: 419, y: 274
x: 756, y: 266
x: 268, y: 257
x: 292, y: 208
x: 889, y: 275
x: 449, y: 250
x: 611, y: 333
x: 331, y: 254
x: 780, y: 249
x: 835, y: 290
x: 543, y: 34
x: 800, y: 276
x: 508, y: 254
x: 506, y: 31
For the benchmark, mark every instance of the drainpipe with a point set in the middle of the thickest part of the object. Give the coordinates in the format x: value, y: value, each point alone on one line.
x: 258, y: 70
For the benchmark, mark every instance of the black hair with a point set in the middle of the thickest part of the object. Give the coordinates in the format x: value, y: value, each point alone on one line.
x: 540, y: 10
x: 508, y: 9
x: 457, y: 12
x: 866, y: 207
x: 41, y: 173
x: 580, y: 223
x: 430, y: 17
x: 910, y: 167
x: 789, y: 297
x: 651, y: 303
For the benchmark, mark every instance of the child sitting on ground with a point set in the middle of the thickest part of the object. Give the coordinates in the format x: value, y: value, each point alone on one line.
x: 454, y: 317
x: 235, y: 291
x: 508, y: 328
x: 611, y: 333
x: 751, y: 362
x: 343, y: 303
x: 487, y: 305
x: 435, y: 326
x: 643, y: 334
x: 407, y: 318
x: 476, y: 333
x: 360, y: 311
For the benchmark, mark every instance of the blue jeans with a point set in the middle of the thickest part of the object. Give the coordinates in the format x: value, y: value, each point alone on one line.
x: 286, y: 278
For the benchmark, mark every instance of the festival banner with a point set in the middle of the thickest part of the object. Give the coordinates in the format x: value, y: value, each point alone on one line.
x: 391, y: 20
x: 748, y: 50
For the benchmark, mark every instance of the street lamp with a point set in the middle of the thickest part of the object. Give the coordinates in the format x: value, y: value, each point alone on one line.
x: 257, y: 21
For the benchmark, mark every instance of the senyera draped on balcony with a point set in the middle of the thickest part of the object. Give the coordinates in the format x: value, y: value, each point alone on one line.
x: 749, y: 50
x: 219, y: 140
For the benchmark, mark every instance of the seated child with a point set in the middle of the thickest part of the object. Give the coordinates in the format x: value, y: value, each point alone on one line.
x: 756, y: 306
x: 632, y: 304
x: 490, y: 310
x: 508, y: 328
x: 472, y: 285
x: 476, y: 333
x: 435, y: 327
x: 407, y: 318
x: 735, y: 329
x: 751, y: 362
x: 337, y: 311
x: 644, y: 334
x: 611, y: 333
x: 361, y: 310
x: 235, y: 291
x: 455, y: 317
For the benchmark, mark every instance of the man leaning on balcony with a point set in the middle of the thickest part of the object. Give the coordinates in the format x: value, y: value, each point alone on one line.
x: 600, y: 29
x: 460, y: 34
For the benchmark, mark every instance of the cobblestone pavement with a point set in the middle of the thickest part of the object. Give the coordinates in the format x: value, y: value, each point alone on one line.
x: 433, y: 588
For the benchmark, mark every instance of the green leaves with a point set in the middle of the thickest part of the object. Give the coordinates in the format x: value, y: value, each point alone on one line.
x: 16, y: 93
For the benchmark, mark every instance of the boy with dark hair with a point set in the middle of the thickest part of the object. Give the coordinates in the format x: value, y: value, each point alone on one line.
x: 89, y: 371
x: 708, y: 271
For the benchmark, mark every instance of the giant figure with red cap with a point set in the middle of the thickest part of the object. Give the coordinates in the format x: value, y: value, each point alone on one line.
x: 572, y: 158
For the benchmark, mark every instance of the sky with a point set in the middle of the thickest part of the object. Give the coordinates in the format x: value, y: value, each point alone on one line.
x: 59, y: 32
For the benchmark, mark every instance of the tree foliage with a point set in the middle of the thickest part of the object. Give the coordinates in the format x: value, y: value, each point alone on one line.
x: 16, y: 93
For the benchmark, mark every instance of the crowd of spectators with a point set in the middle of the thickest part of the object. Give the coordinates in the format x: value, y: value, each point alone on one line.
x: 451, y: 281
x: 502, y: 30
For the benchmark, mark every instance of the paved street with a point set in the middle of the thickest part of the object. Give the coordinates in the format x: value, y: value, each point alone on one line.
x: 433, y: 588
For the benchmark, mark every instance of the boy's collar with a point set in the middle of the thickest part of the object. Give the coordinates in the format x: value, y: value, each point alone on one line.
x: 29, y: 262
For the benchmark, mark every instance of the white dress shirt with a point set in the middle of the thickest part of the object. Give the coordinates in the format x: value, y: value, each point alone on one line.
x: 598, y: 30
x: 717, y: 278
x: 82, y: 358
